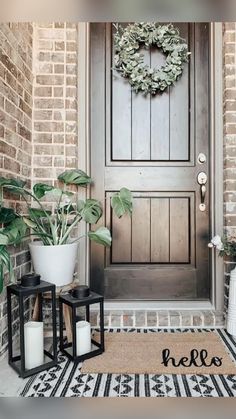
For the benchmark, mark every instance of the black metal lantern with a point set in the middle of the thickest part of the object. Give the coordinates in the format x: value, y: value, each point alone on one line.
x: 81, y: 297
x: 31, y: 356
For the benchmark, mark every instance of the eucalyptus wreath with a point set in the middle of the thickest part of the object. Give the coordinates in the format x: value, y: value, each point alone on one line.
x: 130, y: 62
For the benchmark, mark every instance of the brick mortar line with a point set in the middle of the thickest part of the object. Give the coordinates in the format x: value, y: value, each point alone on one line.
x: 18, y: 82
x: 16, y: 50
x: 17, y: 107
x: 16, y: 93
x: 15, y: 147
x: 15, y: 160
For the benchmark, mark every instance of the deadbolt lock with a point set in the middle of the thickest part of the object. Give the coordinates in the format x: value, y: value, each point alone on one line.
x: 201, y: 158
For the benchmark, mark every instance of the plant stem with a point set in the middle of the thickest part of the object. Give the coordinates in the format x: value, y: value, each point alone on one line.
x: 78, y: 238
x: 66, y: 235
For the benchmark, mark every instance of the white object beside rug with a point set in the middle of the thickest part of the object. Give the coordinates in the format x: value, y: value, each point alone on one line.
x: 231, y: 319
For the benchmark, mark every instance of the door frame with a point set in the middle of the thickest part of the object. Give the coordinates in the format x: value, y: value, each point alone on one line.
x: 216, y: 167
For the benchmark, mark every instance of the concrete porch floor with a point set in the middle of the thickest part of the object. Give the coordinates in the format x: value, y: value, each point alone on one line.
x: 10, y: 384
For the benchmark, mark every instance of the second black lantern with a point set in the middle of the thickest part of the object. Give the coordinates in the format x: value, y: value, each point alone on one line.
x: 81, y: 345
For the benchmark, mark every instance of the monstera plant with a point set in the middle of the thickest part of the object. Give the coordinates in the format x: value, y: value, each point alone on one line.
x: 55, y: 249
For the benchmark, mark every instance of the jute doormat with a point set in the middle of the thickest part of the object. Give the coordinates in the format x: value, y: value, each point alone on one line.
x: 142, y: 353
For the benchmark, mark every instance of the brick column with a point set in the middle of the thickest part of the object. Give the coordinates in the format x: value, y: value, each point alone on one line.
x: 229, y: 69
x: 55, y: 100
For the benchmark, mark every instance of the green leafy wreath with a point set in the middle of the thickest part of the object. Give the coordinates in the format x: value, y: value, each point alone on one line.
x: 130, y: 63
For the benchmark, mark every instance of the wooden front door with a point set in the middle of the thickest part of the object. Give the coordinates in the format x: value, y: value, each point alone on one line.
x: 151, y: 145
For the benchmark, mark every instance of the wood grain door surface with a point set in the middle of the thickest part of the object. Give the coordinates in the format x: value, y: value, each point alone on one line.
x: 151, y: 146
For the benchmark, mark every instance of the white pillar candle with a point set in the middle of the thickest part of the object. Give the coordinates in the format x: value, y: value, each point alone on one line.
x: 34, y: 354
x: 83, y: 337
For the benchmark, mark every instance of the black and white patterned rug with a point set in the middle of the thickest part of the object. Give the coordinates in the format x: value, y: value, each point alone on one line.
x: 65, y: 380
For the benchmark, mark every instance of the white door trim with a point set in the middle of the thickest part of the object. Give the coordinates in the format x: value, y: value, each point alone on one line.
x: 216, y: 81
x: 83, y: 138
x: 216, y: 153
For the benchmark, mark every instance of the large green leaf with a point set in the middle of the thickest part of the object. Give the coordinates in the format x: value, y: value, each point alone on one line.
x: 5, y: 262
x: 102, y: 236
x: 7, y: 215
x: 40, y: 189
x: 90, y: 210
x: 11, y: 182
x: 29, y: 222
x: 121, y: 202
x: 38, y: 213
x: 14, y: 186
x: 75, y: 177
x: 15, y: 231
x: 3, y: 239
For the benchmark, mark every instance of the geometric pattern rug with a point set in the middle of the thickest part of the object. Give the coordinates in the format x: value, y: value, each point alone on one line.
x: 66, y: 380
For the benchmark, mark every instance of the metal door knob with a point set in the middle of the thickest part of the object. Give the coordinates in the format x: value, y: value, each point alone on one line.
x: 202, y: 178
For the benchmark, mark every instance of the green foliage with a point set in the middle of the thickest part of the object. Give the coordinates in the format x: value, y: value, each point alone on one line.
x: 130, y: 63
x: 90, y: 210
x: 229, y: 247
x: 7, y: 215
x: 38, y: 213
x: 53, y: 227
x: 75, y: 177
x: 11, y: 182
x: 121, y: 202
x: 226, y: 246
x: 40, y: 189
x: 5, y: 263
x: 15, y: 231
x: 101, y: 236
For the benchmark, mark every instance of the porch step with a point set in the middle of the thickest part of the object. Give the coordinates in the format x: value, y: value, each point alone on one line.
x: 159, y: 318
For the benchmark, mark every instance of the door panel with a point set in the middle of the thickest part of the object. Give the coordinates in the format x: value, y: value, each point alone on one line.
x: 157, y: 135
x: 150, y: 145
x: 160, y: 216
x: 179, y: 230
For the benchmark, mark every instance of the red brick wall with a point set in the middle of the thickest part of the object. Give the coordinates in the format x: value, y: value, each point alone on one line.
x: 55, y: 100
x: 16, y: 81
x: 38, y: 114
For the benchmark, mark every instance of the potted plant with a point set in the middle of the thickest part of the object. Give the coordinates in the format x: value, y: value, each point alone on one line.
x: 55, y: 250
x: 225, y: 246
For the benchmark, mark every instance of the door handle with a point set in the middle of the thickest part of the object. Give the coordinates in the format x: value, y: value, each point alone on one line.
x: 202, y: 193
x: 202, y: 180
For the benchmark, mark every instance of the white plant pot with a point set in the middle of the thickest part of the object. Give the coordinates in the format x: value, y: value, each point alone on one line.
x: 231, y: 318
x: 55, y: 264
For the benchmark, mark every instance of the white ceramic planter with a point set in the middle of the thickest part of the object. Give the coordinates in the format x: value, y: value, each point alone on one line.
x: 55, y: 264
x: 231, y: 318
